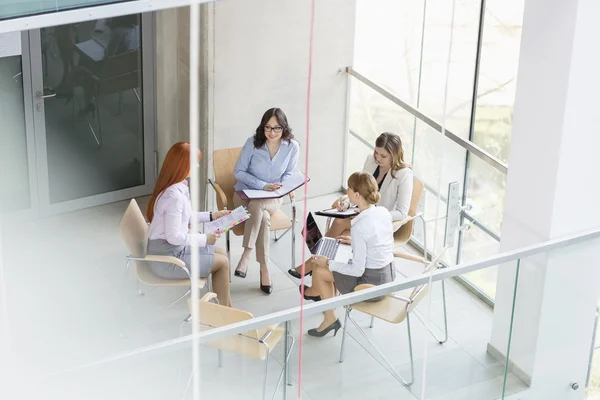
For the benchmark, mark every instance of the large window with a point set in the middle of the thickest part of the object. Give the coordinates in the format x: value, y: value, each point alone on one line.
x: 403, y: 47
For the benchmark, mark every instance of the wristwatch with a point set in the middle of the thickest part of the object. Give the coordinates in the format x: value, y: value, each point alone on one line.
x: 210, y: 214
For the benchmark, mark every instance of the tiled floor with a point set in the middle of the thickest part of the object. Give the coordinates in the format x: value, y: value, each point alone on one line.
x: 68, y: 305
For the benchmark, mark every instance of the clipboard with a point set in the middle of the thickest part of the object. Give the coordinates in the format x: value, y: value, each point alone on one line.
x: 334, y: 213
x: 294, y: 182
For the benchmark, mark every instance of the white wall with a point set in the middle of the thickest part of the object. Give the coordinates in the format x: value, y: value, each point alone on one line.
x: 261, y: 50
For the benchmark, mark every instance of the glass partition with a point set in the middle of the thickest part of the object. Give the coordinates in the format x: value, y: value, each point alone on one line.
x: 20, y: 8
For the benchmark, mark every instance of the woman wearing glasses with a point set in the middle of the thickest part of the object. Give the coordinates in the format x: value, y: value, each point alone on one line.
x: 268, y: 158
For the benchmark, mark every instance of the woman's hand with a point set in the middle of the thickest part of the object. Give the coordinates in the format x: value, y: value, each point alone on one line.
x: 343, y: 203
x: 211, y: 238
x: 271, y: 187
x: 319, y: 260
x: 219, y: 214
x: 344, y: 239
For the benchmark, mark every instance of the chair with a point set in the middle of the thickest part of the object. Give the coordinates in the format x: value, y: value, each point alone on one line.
x: 114, y: 74
x: 394, y: 308
x: 134, y: 232
x: 257, y: 343
x: 224, y: 161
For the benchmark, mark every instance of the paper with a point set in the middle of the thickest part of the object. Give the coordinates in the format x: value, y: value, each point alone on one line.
x: 334, y: 211
x: 10, y: 44
x: 92, y: 48
x: 228, y: 221
x: 289, y: 185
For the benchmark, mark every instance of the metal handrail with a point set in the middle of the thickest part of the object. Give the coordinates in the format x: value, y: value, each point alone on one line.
x: 466, y: 144
x: 498, y: 260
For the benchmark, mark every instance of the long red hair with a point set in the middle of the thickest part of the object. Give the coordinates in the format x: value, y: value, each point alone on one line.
x: 175, y: 169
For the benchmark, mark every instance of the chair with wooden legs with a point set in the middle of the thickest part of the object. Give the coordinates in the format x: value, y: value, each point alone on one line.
x: 224, y: 161
x: 257, y: 343
x: 394, y: 308
x: 134, y: 232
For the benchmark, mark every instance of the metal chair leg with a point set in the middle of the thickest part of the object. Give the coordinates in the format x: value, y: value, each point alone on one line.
x: 285, y: 370
x: 228, y: 250
x: 391, y: 369
x: 264, y: 396
x: 442, y: 341
x: 276, y: 238
x: 169, y: 306
x: 345, y: 328
x: 372, y: 324
x: 143, y: 293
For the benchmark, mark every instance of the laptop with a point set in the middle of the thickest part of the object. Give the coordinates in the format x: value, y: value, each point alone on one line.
x: 325, y: 246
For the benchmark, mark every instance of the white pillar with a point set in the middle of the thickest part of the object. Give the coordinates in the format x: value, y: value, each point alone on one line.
x: 552, y: 191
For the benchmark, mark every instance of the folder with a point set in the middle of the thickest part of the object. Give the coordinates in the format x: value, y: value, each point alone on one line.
x: 334, y: 213
x: 295, y: 181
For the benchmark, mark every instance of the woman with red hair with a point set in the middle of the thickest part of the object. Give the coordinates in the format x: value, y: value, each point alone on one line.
x: 170, y: 214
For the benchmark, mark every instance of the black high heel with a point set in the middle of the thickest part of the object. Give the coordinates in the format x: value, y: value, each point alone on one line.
x: 240, y: 274
x: 268, y: 289
x: 296, y: 274
x: 335, y: 327
x: 306, y: 297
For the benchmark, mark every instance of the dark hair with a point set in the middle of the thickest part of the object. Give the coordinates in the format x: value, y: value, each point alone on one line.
x: 393, y: 145
x: 259, y: 136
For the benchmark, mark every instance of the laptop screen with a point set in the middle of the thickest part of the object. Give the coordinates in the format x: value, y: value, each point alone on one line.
x: 313, y: 234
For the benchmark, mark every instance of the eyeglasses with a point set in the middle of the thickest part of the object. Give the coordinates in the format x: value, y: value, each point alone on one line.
x: 276, y: 129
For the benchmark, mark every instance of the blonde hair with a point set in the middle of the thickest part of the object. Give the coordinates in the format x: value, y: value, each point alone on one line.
x: 393, y: 145
x: 364, y: 184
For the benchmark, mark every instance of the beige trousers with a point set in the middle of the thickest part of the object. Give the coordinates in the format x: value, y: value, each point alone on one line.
x: 258, y: 227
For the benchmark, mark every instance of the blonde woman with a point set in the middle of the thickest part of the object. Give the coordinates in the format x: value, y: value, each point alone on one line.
x: 372, y: 252
x: 394, y: 179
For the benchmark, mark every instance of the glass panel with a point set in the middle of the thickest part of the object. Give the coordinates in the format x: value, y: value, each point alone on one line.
x: 497, y: 75
x: 19, y: 8
x: 477, y: 244
x: 387, y: 45
x: 94, y: 133
x: 14, y: 168
x: 461, y: 75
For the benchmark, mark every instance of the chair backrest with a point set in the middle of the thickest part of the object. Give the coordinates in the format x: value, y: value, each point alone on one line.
x: 134, y: 230
x: 223, y: 164
x: 213, y: 315
x: 402, y: 235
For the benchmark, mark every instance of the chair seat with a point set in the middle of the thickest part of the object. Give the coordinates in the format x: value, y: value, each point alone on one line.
x: 248, y: 346
x: 146, y: 276
x: 388, y: 309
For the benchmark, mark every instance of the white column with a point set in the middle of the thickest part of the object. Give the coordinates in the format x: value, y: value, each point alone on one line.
x: 552, y: 191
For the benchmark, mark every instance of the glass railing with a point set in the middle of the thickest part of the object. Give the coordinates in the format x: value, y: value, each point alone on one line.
x: 437, y: 159
x: 20, y: 8
x: 427, y: 338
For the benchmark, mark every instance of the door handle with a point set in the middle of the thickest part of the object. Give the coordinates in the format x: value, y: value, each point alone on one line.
x: 42, y: 95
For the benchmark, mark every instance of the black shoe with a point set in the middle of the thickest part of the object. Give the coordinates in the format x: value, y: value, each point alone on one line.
x: 335, y: 327
x: 313, y: 298
x: 240, y: 273
x: 296, y: 274
x: 267, y: 289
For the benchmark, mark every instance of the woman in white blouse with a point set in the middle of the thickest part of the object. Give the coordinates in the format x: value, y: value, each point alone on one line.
x: 170, y: 214
x: 394, y: 179
x: 372, y: 252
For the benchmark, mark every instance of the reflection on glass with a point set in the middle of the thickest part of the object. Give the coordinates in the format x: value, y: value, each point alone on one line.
x: 14, y: 170
x: 476, y: 244
x: 497, y: 77
x: 93, y: 107
x: 18, y: 8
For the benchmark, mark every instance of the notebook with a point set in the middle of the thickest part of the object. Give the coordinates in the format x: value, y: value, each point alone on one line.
x: 227, y: 222
x: 289, y: 185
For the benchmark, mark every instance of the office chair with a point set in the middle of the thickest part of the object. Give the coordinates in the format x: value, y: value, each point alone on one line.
x: 224, y: 161
x: 134, y: 232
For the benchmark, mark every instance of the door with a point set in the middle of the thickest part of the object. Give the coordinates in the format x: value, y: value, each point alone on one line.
x: 93, y: 112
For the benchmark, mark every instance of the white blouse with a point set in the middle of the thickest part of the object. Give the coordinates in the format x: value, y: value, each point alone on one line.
x: 396, y: 192
x: 172, y: 217
x: 372, y: 243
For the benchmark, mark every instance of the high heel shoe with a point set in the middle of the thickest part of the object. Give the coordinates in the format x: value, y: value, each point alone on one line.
x: 313, y: 298
x: 296, y: 274
x: 241, y: 274
x: 268, y: 289
x: 335, y: 327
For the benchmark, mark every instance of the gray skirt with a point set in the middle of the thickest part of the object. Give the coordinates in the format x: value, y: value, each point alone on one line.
x: 346, y: 283
x: 160, y: 247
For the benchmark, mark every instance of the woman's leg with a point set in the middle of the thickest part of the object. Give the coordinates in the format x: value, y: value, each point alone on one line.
x: 338, y: 226
x: 220, y: 278
x: 323, y: 285
x: 243, y: 263
x: 259, y: 232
